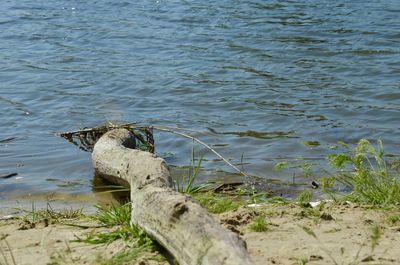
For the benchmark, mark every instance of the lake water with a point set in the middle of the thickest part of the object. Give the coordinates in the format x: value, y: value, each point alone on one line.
x: 255, y: 77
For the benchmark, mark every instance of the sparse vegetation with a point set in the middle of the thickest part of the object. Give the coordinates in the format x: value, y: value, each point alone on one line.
x: 304, y: 198
x: 216, y: 203
x: 259, y: 224
x: 49, y: 215
x: 281, y: 165
x: 277, y: 219
x: 364, y: 171
x: 119, y: 217
x: 297, y: 164
x: 393, y: 219
x: 300, y: 260
x: 376, y: 234
x: 136, y: 241
x: 361, y: 171
x: 186, y: 184
x: 113, y: 215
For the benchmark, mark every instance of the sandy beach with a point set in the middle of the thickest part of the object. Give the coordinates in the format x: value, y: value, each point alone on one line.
x: 326, y: 234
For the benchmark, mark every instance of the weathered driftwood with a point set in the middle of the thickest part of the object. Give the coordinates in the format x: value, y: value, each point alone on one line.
x: 182, y: 226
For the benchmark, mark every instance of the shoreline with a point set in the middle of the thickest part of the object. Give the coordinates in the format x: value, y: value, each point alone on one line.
x: 294, y: 234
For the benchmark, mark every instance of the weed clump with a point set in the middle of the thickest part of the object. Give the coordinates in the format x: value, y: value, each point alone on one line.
x: 304, y: 198
x: 48, y: 216
x: 259, y: 224
x: 136, y: 241
x: 393, y: 219
x: 113, y: 215
x: 364, y: 171
x: 216, y: 203
x: 300, y: 260
x: 119, y: 217
x: 376, y: 234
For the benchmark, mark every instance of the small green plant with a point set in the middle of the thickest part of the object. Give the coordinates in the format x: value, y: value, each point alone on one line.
x: 310, y: 144
x: 393, y: 219
x: 297, y: 164
x: 119, y: 217
x: 306, y: 168
x: 127, y: 233
x: 34, y: 213
x: 50, y: 215
x: 56, y: 216
x: 310, y: 213
x: 327, y: 184
x: 281, y: 165
x: 113, y: 215
x: 376, y: 234
x: 186, y: 184
x: 304, y: 198
x: 258, y: 197
x: 300, y: 260
x: 364, y: 171
x: 277, y: 200
x: 216, y: 203
x: 259, y: 224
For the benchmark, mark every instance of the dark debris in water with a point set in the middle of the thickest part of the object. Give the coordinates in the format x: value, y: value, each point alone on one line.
x: 8, y: 175
x: 7, y: 140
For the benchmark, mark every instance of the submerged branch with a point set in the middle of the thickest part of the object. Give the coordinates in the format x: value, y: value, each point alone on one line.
x: 143, y: 134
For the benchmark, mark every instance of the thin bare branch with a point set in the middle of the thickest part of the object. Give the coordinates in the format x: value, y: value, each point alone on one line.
x: 205, y: 145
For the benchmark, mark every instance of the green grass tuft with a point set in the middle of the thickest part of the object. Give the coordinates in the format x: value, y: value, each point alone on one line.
x: 259, y: 224
x: 135, y: 238
x: 281, y: 165
x: 50, y: 215
x: 376, y: 234
x: 300, y: 260
x: 216, y: 203
x: 393, y: 219
x: 186, y: 184
x: 304, y: 198
x: 364, y: 171
x: 113, y: 215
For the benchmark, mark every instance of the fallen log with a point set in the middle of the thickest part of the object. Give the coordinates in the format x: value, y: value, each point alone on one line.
x: 178, y: 223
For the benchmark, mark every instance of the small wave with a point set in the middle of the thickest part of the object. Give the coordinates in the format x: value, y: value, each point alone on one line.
x: 372, y: 52
x: 257, y: 134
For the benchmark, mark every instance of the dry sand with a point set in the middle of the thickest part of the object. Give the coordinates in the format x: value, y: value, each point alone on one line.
x: 342, y: 236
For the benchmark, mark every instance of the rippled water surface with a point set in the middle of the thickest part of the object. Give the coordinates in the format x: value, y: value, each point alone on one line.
x: 257, y: 77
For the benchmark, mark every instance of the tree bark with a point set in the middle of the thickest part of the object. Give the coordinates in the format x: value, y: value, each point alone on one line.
x: 178, y: 223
